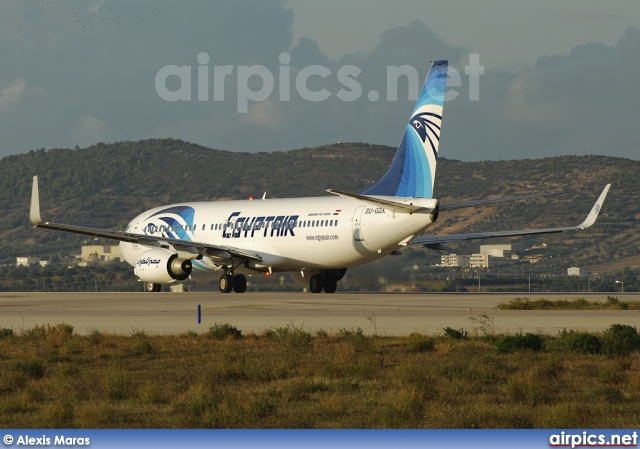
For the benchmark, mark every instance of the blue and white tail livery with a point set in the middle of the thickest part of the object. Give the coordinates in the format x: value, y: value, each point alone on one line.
x: 314, y: 239
x: 413, y: 170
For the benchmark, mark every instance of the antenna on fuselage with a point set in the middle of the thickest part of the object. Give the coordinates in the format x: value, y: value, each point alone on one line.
x: 264, y: 196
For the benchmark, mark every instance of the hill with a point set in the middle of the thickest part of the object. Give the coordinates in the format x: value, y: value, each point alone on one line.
x: 107, y: 185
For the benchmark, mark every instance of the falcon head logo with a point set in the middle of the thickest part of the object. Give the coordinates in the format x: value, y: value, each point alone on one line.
x: 426, y: 124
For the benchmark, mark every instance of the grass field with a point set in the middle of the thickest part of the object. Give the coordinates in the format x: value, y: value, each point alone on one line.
x: 289, y: 378
x: 612, y: 303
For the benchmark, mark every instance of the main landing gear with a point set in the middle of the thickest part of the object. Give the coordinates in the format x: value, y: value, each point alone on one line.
x: 318, y: 282
x: 228, y: 282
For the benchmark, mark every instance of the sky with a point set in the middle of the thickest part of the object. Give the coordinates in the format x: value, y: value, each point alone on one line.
x: 547, y: 78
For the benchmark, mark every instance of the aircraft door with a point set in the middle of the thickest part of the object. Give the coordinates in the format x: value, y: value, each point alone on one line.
x: 358, y: 235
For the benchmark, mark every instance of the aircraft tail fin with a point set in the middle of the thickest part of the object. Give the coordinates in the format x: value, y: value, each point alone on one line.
x: 413, y: 170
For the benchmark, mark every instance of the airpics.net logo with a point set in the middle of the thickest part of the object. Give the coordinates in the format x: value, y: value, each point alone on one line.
x: 257, y: 83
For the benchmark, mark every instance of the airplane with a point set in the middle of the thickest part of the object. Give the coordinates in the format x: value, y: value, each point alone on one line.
x: 315, y: 239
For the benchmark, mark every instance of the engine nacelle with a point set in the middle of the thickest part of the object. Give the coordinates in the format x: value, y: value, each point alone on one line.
x: 162, y: 266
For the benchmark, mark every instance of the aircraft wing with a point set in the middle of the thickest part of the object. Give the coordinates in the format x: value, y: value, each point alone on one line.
x: 184, y: 246
x: 452, y: 206
x: 439, y: 241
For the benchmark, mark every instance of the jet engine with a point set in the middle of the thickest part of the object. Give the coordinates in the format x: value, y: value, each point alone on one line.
x: 161, y: 266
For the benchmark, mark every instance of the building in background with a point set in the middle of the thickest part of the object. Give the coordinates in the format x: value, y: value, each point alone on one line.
x: 28, y: 260
x: 479, y: 261
x: 506, y: 250
x: 577, y: 271
x: 455, y: 260
x: 100, y: 253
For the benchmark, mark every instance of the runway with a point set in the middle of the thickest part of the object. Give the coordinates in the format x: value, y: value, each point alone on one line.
x: 381, y: 313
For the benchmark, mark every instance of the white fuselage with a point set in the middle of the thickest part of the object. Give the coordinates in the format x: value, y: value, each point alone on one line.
x: 293, y: 234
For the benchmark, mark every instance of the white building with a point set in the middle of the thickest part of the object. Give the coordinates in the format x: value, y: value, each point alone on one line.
x: 577, y: 271
x: 102, y: 253
x: 26, y: 261
x: 506, y: 250
x: 479, y: 261
x: 455, y: 260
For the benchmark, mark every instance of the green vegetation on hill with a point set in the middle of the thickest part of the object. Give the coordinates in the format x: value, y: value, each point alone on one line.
x: 107, y: 185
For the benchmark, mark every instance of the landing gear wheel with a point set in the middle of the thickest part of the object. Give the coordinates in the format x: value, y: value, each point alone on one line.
x: 316, y: 283
x: 330, y: 284
x: 225, y: 284
x: 239, y: 283
x: 152, y: 287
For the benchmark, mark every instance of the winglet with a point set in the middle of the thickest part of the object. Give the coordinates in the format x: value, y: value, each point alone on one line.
x: 34, y: 212
x: 595, y: 210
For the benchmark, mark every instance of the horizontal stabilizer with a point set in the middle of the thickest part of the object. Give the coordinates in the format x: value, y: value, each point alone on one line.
x: 403, y: 207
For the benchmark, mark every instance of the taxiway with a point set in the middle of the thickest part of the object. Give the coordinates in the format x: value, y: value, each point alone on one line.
x: 382, y: 313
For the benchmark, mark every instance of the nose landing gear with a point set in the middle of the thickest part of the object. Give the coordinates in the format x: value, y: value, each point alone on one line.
x: 152, y: 287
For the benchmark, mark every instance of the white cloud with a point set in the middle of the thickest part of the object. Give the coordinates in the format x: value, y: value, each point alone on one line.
x: 95, y: 5
x: 265, y: 113
x: 90, y: 130
x: 10, y: 95
x: 522, y: 106
x: 13, y: 93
